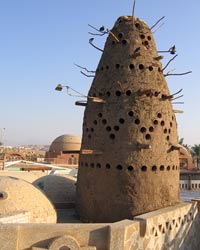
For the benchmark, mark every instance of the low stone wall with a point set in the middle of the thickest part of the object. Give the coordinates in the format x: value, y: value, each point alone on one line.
x: 171, y: 228
x: 16, y: 217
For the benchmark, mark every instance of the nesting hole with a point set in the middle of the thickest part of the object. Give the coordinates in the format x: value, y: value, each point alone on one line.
x: 118, y: 93
x: 112, y: 136
x: 104, y: 121
x: 143, y: 130
x: 151, y: 129
x: 168, y: 168
x: 150, y: 68
x: 120, y: 35
x: 89, y: 136
x: 107, y: 67
x: 108, y: 128
x: 154, y: 168
x: 130, y: 168
x: 148, y: 137
x: 142, y: 36
x: 95, y: 122
x: 137, y: 25
x: 86, y: 164
x: 108, y: 93
x: 146, y: 43
x: 92, y: 129
x: 128, y: 92
x: 149, y: 38
x: 119, y: 167
x: 117, y: 66
x: 116, y: 128
x: 98, y: 165
x: 155, y: 122
x: 121, y: 120
x: 124, y: 41
x: 162, y: 123
x: 165, y: 131
x: 137, y: 121
x: 107, y: 165
x: 167, y: 138
x: 144, y: 168
x: 92, y: 165
x: 162, y: 168
x: 130, y: 113
x: 173, y: 167
x: 131, y: 66
x: 156, y: 93
x: 159, y: 115
x: 141, y: 66
x: 100, y: 115
x: 3, y: 195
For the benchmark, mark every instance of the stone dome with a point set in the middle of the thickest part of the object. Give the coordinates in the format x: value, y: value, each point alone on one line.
x: 65, y: 143
x: 59, y: 189
x: 24, y: 175
x: 17, y: 195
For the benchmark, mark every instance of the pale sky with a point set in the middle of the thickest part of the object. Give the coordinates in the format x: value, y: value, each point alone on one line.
x: 42, y: 39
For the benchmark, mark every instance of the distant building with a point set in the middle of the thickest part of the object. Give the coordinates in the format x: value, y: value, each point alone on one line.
x: 185, y: 157
x: 64, y: 151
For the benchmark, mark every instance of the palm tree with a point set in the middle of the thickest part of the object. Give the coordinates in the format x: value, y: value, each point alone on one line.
x: 195, y: 150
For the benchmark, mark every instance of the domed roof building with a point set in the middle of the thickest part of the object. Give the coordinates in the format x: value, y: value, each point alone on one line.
x: 17, y: 195
x: 59, y: 189
x: 64, y: 150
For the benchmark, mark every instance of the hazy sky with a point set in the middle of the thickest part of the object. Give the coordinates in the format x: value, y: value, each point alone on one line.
x: 42, y: 39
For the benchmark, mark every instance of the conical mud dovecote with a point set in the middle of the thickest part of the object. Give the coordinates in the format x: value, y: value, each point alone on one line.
x: 129, y: 160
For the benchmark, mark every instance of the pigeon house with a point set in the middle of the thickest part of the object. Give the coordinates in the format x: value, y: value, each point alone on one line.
x: 129, y: 161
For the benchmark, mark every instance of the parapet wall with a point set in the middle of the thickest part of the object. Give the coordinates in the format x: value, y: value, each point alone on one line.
x: 170, y: 228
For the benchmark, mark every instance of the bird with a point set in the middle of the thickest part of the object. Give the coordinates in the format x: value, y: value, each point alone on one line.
x: 91, y: 40
x: 172, y: 50
x: 137, y: 50
x: 102, y: 28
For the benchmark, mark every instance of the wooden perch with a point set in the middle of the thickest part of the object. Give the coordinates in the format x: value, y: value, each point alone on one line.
x: 90, y: 41
x: 96, y: 99
x: 165, y: 97
x: 133, y: 8
x: 81, y: 103
x: 157, y: 22
x: 177, y: 97
x: 139, y: 146
x: 86, y: 74
x: 179, y: 74
x: 91, y: 152
x: 169, y: 62
x: 84, y: 68
x: 158, y: 27
x: 141, y: 92
x: 171, y: 50
x: 178, y: 111
x: 121, y: 87
x: 158, y: 58
x: 177, y: 102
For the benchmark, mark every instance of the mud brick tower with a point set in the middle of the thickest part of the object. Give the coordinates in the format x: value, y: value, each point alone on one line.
x: 129, y: 161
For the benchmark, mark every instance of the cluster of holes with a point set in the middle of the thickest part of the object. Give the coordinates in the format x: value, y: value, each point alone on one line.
x: 161, y: 168
x: 144, y: 168
x: 107, y: 166
x: 131, y: 66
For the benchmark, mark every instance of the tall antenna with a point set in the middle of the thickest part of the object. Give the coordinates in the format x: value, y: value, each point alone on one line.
x: 133, y: 8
